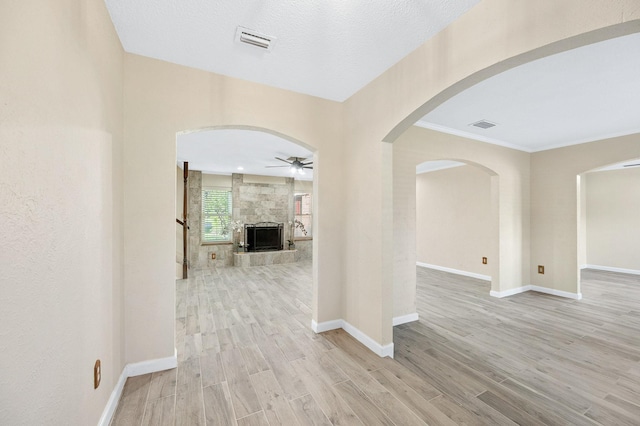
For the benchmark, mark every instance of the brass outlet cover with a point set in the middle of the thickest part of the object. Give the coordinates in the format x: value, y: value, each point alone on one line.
x: 484, y: 260
x: 540, y: 269
x: 97, y: 374
x: 213, y: 256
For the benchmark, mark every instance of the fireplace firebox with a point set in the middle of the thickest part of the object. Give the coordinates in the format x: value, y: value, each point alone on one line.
x: 263, y: 236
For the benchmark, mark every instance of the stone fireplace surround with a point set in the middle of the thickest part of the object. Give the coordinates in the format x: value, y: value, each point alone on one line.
x: 255, y: 199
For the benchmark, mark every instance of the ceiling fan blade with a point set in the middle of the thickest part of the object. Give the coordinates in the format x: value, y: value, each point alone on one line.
x: 631, y: 165
x: 306, y: 164
x: 278, y: 158
x: 307, y: 167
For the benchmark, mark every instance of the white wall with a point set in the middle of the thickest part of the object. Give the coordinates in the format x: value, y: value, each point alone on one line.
x: 453, y: 219
x: 613, y: 218
x: 61, y: 270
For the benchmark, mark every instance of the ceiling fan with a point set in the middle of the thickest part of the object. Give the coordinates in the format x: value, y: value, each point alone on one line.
x: 295, y: 164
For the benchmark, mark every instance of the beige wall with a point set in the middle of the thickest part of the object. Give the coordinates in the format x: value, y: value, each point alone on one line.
x: 613, y: 218
x: 66, y: 111
x: 162, y: 99
x: 60, y: 211
x: 453, y: 219
x: 488, y: 39
x: 509, y: 170
x: 554, y: 205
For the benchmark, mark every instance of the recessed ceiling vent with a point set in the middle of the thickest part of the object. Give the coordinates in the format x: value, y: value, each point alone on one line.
x: 254, y: 38
x: 483, y: 124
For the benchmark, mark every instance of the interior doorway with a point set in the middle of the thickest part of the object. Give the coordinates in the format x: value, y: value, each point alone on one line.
x: 239, y: 178
x: 609, y: 218
x: 455, y: 229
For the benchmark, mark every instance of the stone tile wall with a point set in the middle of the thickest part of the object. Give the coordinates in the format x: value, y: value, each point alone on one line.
x: 263, y: 202
x: 304, y: 250
x: 252, y: 203
x: 264, y: 258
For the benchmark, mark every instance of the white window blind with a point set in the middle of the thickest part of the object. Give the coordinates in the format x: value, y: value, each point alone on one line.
x: 216, y: 214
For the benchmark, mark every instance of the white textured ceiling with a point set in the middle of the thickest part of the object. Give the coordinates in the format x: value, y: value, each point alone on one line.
x: 582, y: 95
x: 328, y: 48
x: 224, y: 151
x: 332, y: 48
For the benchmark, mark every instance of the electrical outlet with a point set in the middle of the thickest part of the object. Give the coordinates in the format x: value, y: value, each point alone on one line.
x: 540, y: 269
x: 97, y: 374
x: 484, y: 260
x: 213, y: 256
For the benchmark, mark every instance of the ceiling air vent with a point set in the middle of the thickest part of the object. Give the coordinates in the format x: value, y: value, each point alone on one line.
x: 483, y: 124
x: 254, y: 38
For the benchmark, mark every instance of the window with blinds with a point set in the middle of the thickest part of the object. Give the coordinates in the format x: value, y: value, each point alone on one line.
x: 216, y: 215
x: 302, y: 209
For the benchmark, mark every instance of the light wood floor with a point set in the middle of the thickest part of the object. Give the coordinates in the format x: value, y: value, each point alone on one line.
x: 246, y: 356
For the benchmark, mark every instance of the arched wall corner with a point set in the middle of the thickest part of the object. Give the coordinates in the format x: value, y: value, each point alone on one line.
x: 584, y: 39
x: 162, y: 100
x: 512, y: 193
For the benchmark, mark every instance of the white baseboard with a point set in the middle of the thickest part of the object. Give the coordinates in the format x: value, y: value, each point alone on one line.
x: 611, y: 269
x: 151, y: 366
x: 455, y: 271
x: 510, y: 292
x: 382, y: 351
x: 554, y: 292
x: 375, y: 347
x: 132, y: 370
x: 403, y: 319
x: 326, y: 326
x: 112, y: 403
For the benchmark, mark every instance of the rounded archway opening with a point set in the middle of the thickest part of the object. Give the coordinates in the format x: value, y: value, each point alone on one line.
x: 515, y: 170
x: 608, y: 222
x: 252, y: 237
x: 268, y: 178
x: 446, y: 218
x: 456, y: 221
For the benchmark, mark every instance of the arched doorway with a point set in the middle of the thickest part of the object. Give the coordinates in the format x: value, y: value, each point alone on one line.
x: 607, y: 206
x: 238, y: 162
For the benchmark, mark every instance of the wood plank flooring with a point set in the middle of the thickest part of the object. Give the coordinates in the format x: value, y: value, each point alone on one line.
x: 246, y: 356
